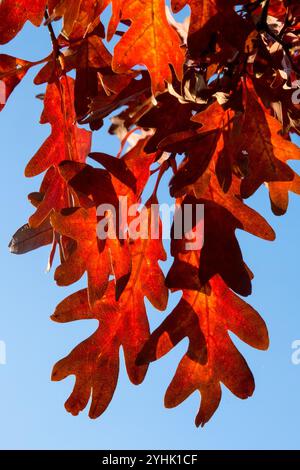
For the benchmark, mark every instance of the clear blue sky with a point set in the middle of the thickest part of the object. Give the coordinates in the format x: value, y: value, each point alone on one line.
x: 32, y: 415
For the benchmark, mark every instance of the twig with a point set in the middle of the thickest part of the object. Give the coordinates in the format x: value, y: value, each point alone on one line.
x: 55, y: 45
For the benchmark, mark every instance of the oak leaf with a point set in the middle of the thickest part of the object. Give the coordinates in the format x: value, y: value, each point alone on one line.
x: 13, y: 16
x: 210, y: 107
x: 12, y: 71
x: 267, y: 150
x: 143, y: 43
x: 95, y: 362
x: 212, y: 358
x: 66, y: 142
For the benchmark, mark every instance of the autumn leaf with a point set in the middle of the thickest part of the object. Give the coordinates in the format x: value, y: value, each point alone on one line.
x: 212, y: 135
x: 220, y: 253
x: 265, y: 140
x: 80, y: 17
x: 81, y: 225
x: 279, y: 194
x: 67, y: 141
x: 27, y: 239
x: 212, y: 358
x: 95, y: 362
x: 210, y: 17
x: 164, y: 124
x: 118, y: 89
x: 208, y: 188
x: 208, y: 108
x: 12, y: 71
x: 13, y: 16
x: 131, y: 172
x: 145, y: 46
x: 94, y: 187
x: 90, y: 53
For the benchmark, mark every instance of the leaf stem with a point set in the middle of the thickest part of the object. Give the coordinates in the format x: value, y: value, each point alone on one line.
x: 55, y: 45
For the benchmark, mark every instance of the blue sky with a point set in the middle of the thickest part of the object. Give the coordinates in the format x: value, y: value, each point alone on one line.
x: 32, y: 415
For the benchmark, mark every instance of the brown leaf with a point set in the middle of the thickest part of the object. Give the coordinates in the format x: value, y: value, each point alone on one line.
x: 27, y: 239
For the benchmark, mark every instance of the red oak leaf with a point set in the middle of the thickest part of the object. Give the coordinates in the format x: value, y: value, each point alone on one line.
x: 66, y: 142
x: 13, y: 16
x: 12, y: 71
x: 143, y: 46
x: 95, y: 362
x: 205, y: 318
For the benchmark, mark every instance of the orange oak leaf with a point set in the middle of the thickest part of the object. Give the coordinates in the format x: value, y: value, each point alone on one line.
x: 250, y: 220
x: 91, y: 60
x: 145, y: 44
x: 80, y: 16
x: 279, y: 194
x: 88, y: 53
x: 267, y: 150
x: 54, y: 196
x: 203, y: 14
x: 220, y: 253
x: 147, y: 277
x: 12, y: 71
x: 127, y: 179
x: 95, y: 362
x: 90, y: 254
x: 198, y: 153
x: 209, y: 106
x: 93, y: 186
x: 215, y: 140
x: 13, y: 16
x: 279, y: 190
x: 66, y: 142
x: 212, y: 358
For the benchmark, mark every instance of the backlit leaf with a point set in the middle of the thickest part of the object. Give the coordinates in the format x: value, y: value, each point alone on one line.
x: 144, y: 45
